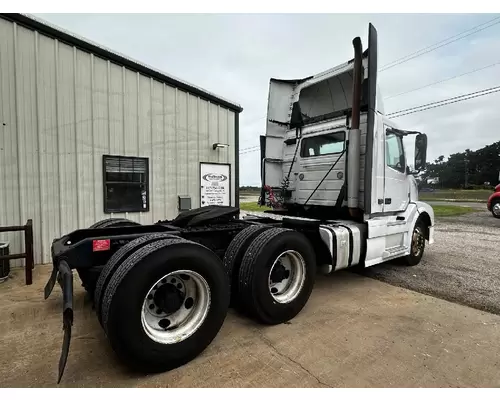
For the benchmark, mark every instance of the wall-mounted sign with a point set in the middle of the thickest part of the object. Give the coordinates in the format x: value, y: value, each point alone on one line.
x: 215, y: 184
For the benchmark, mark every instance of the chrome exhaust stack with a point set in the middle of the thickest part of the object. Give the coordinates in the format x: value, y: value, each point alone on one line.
x: 354, y: 148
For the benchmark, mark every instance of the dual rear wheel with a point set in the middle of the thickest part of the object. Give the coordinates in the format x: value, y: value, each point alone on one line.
x: 272, y: 272
x: 162, y: 299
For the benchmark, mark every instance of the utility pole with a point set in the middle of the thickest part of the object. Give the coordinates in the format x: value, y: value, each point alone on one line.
x: 466, y: 170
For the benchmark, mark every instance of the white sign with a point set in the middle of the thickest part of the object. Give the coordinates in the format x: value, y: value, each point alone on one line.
x: 215, y: 184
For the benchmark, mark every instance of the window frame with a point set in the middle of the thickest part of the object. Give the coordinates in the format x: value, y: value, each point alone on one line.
x: 303, y: 141
x: 124, y: 209
x: 399, y: 138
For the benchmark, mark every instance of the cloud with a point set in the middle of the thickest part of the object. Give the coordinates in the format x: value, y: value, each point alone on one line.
x: 234, y: 55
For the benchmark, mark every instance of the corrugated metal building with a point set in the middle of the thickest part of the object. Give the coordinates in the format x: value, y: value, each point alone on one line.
x: 65, y: 103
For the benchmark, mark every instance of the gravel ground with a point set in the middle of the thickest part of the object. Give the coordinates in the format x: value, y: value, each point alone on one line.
x: 462, y: 266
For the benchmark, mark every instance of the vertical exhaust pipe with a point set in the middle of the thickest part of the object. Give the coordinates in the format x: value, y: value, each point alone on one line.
x: 354, y: 148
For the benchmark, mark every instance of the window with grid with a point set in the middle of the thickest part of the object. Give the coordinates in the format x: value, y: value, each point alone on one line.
x: 126, y: 184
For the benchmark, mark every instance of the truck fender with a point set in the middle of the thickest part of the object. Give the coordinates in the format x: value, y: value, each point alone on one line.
x: 425, y: 212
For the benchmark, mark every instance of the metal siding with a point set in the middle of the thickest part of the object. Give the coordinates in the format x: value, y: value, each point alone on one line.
x: 68, y: 175
x: 204, y: 145
x: 100, y: 130
x: 116, y: 82
x: 144, y: 146
x: 63, y: 108
x: 231, y: 154
x: 130, y: 118
x: 116, y: 106
x: 182, y: 142
x: 193, y: 186
x: 158, y: 161
x: 48, y: 158
x: 9, y: 193
x: 27, y: 145
x: 171, y: 155
x: 222, y: 152
x: 213, y: 131
x: 84, y: 139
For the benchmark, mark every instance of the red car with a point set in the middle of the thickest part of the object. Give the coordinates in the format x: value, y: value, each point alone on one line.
x: 494, y: 202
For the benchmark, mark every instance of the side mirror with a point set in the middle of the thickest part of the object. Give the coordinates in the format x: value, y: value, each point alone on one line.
x: 296, y: 120
x: 420, y: 151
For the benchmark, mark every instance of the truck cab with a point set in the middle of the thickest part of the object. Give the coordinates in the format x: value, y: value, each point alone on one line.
x: 331, y: 154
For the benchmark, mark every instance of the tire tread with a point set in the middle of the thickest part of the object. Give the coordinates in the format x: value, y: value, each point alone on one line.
x: 245, y: 287
x: 125, y: 267
x: 235, y: 252
x: 116, y: 259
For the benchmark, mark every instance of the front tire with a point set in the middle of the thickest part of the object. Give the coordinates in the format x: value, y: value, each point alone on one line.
x: 417, y: 246
x: 165, y: 304
x: 495, y: 208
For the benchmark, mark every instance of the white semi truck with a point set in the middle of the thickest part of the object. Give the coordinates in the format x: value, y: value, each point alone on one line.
x: 331, y: 154
x: 335, y: 170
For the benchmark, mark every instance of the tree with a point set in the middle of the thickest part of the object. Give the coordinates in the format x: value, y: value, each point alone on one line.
x: 468, y: 168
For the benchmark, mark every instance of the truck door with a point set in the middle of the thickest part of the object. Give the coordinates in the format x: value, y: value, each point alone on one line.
x: 396, y: 191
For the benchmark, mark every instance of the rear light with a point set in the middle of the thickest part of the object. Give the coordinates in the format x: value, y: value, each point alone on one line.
x: 101, y: 245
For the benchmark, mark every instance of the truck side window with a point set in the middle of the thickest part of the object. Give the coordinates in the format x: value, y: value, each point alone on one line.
x: 394, y: 151
x: 321, y: 145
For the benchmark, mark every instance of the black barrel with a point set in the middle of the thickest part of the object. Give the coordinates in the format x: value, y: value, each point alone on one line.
x: 4, y: 264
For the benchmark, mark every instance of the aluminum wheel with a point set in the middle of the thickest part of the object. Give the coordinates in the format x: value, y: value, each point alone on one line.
x: 418, y: 241
x: 287, y: 276
x: 175, y: 306
x: 496, y: 209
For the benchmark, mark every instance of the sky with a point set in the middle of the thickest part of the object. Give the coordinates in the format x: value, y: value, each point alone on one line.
x: 235, y: 55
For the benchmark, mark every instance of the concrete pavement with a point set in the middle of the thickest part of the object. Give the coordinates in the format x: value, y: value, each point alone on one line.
x: 354, y: 332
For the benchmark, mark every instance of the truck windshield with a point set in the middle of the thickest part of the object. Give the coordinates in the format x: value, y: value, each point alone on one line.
x: 321, y: 145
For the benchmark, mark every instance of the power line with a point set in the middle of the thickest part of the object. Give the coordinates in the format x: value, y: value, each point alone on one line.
x: 444, y: 100
x: 441, y: 43
x: 443, y: 103
x: 441, y: 81
x: 249, y: 149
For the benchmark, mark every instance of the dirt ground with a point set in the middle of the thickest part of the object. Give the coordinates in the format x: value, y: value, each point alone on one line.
x: 354, y: 332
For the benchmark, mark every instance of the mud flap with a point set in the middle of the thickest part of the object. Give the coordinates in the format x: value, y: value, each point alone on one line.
x: 63, y: 275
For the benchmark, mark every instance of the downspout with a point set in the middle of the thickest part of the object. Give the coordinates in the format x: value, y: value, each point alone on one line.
x: 354, y: 139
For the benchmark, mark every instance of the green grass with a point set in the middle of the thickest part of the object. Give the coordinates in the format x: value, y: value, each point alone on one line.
x: 439, y: 210
x: 252, y: 206
x: 451, y: 211
x: 476, y: 195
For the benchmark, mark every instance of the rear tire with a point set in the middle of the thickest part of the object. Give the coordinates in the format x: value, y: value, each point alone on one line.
x: 113, y: 222
x: 234, y: 255
x: 124, y: 305
x: 277, y: 275
x: 114, y: 262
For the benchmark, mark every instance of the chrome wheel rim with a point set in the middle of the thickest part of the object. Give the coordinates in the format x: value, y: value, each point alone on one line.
x: 418, y: 241
x: 287, y: 276
x: 175, y: 306
x: 496, y: 209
